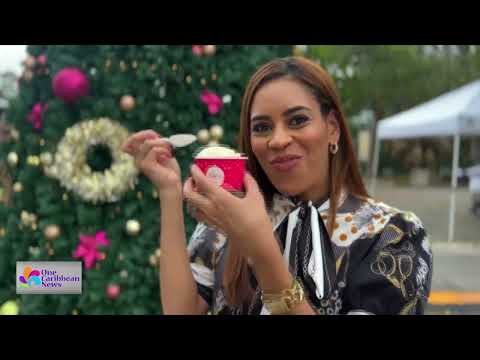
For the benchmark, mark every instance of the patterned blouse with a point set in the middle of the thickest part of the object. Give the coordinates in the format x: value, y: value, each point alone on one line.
x: 382, y: 256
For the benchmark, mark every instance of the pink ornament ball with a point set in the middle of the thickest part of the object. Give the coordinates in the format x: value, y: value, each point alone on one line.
x: 42, y: 60
x: 70, y: 84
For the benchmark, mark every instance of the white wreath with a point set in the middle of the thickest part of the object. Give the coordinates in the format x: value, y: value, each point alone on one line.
x: 70, y: 162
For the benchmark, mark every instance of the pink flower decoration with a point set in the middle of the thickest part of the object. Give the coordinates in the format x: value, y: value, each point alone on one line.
x: 88, y: 248
x: 213, y: 102
x: 36, y: 115
x: 197, y: 50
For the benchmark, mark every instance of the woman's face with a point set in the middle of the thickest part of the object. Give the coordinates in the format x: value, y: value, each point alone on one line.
x: 290, y: 138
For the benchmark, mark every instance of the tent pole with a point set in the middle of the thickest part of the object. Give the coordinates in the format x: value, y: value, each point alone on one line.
x: 376, y: 155
x: 456, y: 154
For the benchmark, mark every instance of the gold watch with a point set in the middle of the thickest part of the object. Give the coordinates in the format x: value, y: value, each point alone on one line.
x: 286, y: 301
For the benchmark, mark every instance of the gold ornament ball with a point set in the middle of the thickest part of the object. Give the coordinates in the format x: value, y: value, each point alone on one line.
x: 30, y: 62
x: 2, y: 232
x: 25, y: 217
x: 33, y: 218
x: 209, y: 50
x: 46, y: 158
x: 203, y: 136
x: 52, y: 232
x: 28, y: 75
x: 153, y: 260
x: 127, y: 103
x: 300, y: 50
x: 12, y: 159
x: 216, y: 132
x: 133, y: 227
x: 15, y: 134
x: 18, y: 187
x: 33, y: 160
x: 158, y: 253
x: 9, y: 308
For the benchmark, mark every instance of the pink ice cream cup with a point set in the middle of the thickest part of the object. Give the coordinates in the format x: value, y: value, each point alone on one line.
x: 225, y: 171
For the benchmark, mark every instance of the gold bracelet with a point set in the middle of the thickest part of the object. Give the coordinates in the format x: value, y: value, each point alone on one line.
x: 286, y: 301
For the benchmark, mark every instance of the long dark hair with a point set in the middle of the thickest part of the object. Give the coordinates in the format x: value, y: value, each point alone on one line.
x: 344, y: 171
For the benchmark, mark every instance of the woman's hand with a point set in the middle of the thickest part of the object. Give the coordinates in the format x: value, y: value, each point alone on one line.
x: 244, y: 221
x: 154, y: 157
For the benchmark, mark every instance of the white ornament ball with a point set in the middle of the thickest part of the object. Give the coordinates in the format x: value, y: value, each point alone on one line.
x: 133, y: 227
x: 12, y: 159
x: 227, y: 99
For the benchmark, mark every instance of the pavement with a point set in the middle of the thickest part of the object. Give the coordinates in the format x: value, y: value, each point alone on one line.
x: 456, y: 265
x: 456, y: 279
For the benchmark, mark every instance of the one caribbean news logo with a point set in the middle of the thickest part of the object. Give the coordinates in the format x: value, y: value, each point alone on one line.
x: 49, y: 277
x: 30, y: 278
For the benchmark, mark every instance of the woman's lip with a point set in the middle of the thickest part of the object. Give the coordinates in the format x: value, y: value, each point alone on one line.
x: 286, y: 165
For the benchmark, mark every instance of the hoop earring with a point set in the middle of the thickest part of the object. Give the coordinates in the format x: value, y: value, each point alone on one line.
x: 333, y: 148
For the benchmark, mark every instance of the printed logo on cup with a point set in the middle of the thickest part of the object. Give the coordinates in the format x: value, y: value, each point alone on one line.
x: 49, y: 277
x: 216, y: 174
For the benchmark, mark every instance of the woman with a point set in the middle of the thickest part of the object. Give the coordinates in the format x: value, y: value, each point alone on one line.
x: 306, y: 238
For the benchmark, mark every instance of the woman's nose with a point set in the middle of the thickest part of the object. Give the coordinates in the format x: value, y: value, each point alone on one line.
x: 280, y: 139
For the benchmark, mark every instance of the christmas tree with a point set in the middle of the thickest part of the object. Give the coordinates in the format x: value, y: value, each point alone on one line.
x: 67, y: 191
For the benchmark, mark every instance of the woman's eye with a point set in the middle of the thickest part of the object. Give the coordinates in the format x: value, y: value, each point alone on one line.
x: 298, y: 121
x: 261, y: 128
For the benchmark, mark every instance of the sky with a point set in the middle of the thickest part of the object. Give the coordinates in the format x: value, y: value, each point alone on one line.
x: 11, y: 57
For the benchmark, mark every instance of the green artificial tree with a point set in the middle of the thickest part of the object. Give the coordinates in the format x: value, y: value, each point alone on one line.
x: 61, y: 160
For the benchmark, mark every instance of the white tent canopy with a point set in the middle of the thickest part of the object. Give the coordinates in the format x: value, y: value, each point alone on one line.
x: 455, y: 114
